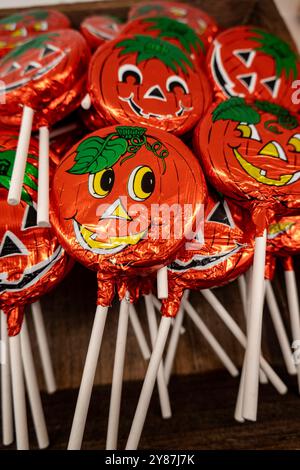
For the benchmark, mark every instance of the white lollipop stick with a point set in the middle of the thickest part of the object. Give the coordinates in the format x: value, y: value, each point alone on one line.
x: 148, y: 385
x: 238, y: 412
x: 139, y: 333
x: 17, y: 177
x: 157, y: 305
x: 246, y: 307
x: 18, y: 389
x: 293, y: 303
x: 43, y: 346
x: 62, y: 130
x: 215, y: 345
x: 161, y: 382
x: 280, y: 329
x: 254, y: 330
x: 86, y: 102
x: 43, y: 184
x: 241, y: 338
x: 6, y: 398
x: 174, y: 338
x: 33, y: 389
x: 87, y: 380
x: 117, y: 380
x: 162, y: 283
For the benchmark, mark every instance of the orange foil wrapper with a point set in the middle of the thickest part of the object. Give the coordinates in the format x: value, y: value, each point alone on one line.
x: 25, y: 23
x: 203, y: 24
x: 250, y: 152
x: 143, y: 80
x: 219, y: 254
x: 31, y: 260
x: 99, y: 29
x: 249, y: 62
x: 47, y: 74
x: 106, y: 202
x: 284, y: 236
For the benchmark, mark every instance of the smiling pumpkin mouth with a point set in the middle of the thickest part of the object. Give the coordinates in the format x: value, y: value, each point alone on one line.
x: 139, y: 111
x: 88, y: 240
x: 259, y: 174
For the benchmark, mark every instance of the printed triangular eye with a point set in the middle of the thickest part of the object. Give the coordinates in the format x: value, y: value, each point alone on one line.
x: 245, y: 55
x: 47, y: 50
x: 31, y: 66
x: 272, y: 85
x: 221, y: 214
x: 30, y: 218
x: 11, y: 245
x: 248, y: 81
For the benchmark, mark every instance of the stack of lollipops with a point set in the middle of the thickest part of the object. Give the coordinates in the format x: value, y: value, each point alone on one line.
x: 133, y: 121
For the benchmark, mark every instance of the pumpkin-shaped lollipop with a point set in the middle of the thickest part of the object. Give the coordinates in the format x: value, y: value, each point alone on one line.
x: 30, y: 22
x: 247, y: 61
x: 142, y: 80
x: 31, y: 259
x: 202, y: 23
x: 43, y: 80
x: 99, y: 29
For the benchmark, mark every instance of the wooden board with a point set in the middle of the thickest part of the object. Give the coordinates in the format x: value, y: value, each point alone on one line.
x: 69, y: 310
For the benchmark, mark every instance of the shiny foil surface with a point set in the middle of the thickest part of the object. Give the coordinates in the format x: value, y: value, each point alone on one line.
x: 91, y: 119
x: 284, y: 236
x: 48, y: 74
x: 31, y: 260
x: 99, y: 29
x: 203, y: 24
x: 25, y: 23
x: 225, y: 254
x: 105, y: 191
x: 142, y: 80
x: 250, y: 152
x: 249, y: 62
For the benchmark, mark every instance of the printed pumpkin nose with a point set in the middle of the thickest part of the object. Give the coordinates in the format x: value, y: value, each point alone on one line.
x: 273, y: 149
x: 156, y: 93
x: 116, y: 211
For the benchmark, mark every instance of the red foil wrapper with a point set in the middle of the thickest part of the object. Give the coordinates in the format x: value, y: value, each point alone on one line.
x: 25, y: 23
x: 7, y: 43
x: 284, y: 236
x: 171, y: 30
x: 106, y: 199
x: 247, y: 61
x: 48, y: 74
x: 63, y: 137
x: 31, y: 260
x: 99, y: 29
x: 249, y: 153
x: 142, y: 80
x: 270, y: 266
x: 91, y: 119
x: 225, y: 252
x: 203, y: 24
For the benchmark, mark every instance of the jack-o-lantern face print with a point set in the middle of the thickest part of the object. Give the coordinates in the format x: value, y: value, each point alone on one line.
x: 40, y: 71
x: 203, y: 24
x: 31, y: 260
x: 251, y: 152
x: 249, y: 62
x: 144, y: 80
x: 106, y: 189
x: 221, y: 252
x: 23, y: 24
x: 99, y: 29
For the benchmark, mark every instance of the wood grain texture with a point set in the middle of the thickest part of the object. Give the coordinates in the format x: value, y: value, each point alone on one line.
x: 69, y: 310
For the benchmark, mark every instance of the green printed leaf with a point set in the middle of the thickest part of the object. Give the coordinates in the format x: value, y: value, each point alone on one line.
x: 36, y: 43
x: 236, y: 109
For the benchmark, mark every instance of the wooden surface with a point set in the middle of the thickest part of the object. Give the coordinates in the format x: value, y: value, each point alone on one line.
x: 202, y: 417
x: 69, y: 310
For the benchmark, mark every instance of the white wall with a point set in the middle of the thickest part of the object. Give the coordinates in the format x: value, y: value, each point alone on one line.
x: 30, y: 3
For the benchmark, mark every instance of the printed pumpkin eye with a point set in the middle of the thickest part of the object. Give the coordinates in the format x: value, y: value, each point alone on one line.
x: 221, y: 215
x: 175, y: 81
x: 11, y: 245
x: 128, y: 70
x: 141, y: 183
x: 29, y: 218
x: 101, y: 183
x: 248, y: 131
x: 295, y: 142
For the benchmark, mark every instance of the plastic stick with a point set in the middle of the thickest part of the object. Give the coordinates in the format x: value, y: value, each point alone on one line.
x: 33, y: 389
x: 148, y: 385
x: 293, y: 303
x: 17, y: 177
x: 86, y: 102
x: 43, y: 346
x: 18, y: 390
x: 117, y: 380
x: 87, y: 380
x: 6, y: 398
x: 162, y: 283
x: 157, y: 305
x: 139, y: 333
x: 161, y: 382
x: 43, y: 184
